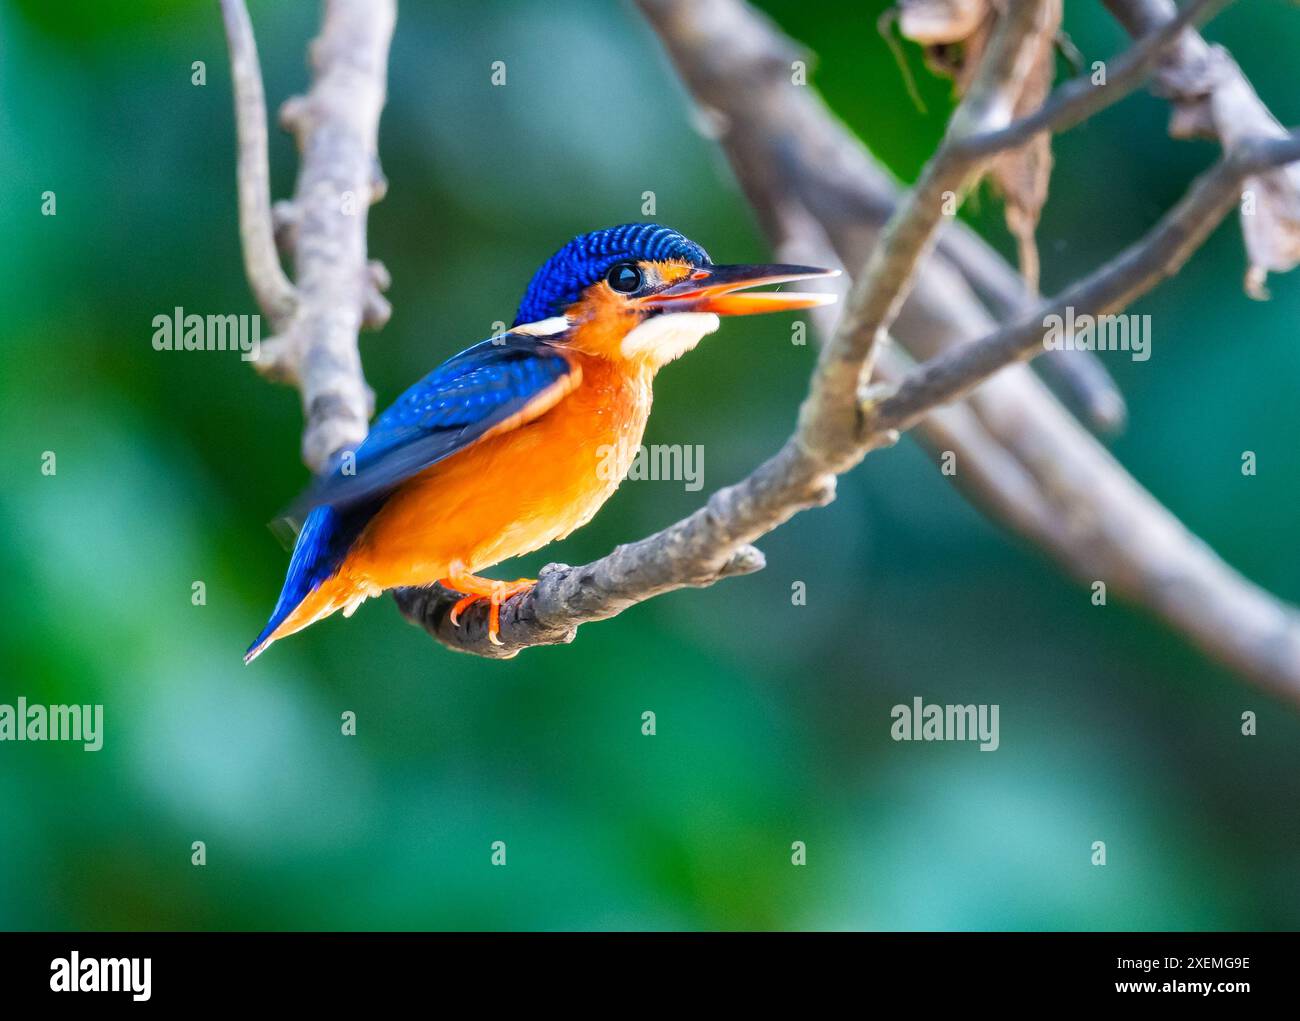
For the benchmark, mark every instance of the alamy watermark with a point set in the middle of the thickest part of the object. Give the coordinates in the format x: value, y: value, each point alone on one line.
x: 659, y: 462
x: 181, y: 331
x: 24, y: 722
x: 77, y: 974
x: 1086, y: 332
x: 922, y: 722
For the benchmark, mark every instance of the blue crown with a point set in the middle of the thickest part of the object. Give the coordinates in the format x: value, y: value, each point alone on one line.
x: 588, y: 257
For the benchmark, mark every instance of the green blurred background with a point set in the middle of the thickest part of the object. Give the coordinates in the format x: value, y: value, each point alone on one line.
x: 773, y: 720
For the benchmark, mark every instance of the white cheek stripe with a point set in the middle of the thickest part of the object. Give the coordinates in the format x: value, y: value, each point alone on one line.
x: 543, y: 327
x: 665, y: 337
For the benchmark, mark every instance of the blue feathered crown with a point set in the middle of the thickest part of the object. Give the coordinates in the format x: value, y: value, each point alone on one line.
x: 588, y: 257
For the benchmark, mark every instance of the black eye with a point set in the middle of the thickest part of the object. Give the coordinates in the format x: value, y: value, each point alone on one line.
x: 624, y: 277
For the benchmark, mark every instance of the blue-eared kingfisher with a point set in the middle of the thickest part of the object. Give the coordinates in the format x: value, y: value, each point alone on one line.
x: 507, y: 445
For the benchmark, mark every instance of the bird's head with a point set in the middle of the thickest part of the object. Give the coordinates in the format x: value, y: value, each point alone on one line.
x: 643, y: 292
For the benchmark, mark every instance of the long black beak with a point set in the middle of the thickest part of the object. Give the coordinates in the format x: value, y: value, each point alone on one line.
x: 713, y: 289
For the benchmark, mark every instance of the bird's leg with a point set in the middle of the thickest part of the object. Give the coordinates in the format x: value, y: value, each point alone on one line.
x: 476, y: 588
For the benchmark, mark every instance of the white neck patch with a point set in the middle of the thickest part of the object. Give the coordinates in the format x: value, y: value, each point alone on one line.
x: 664, y: 337
x: 543, y: 327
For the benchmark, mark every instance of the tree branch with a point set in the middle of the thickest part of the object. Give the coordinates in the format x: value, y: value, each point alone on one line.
x: 336, y: 125
x: 814, y: 186
x: 696, y: 551
x: 979, y: 128
x: 1212, y: 98
x: 1124, y: 279
x: 274, y: 294
x: 1077, y: 100
x: 829, y: 419
x: 822, y: 199
x: 713, y: 543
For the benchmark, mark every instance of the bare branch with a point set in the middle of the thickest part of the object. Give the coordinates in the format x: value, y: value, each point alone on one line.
x: 1160, y: 254
x: 336, y: 125
x: 713, y: 543
x: 1079, y: 99
x: 975, y: 131
x: 1193, y: 75
x: 813, y: 186
x: 787, y: 150
x: 1212, y: 98
x: 699, y: 550
x: 822, y: 199
x: 978, y: 129
x: 1067, y: 106
x: 828, y: 421
x: 274, y: 294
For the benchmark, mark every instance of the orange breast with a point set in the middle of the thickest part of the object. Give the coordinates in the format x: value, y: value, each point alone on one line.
x: 512, y: 493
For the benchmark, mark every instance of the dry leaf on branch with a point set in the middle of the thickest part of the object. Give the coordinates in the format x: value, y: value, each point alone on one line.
x: 1211, y: 98
x: 1270, y: 203
x: 955, y: 34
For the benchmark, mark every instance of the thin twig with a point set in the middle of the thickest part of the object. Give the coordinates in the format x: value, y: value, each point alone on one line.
x: 979, y: 128
x: 271, y: 287
x: 1121, y: 281
x: 1079, y: 99
x: 1212, y: 98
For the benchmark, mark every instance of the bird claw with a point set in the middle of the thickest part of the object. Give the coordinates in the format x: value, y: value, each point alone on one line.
x: 495, y: 592
x: 461, y: 604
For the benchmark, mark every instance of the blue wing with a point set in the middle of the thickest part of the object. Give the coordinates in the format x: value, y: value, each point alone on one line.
x: 495, y: 384
x: 482, y: 388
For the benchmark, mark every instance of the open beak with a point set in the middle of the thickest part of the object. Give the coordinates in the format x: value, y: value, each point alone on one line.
x: 713, y: 289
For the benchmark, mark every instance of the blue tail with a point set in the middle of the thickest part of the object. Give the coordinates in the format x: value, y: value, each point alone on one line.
x: 316, y: 556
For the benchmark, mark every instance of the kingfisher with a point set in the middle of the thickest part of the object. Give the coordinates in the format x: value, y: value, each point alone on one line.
x: 518, y: 440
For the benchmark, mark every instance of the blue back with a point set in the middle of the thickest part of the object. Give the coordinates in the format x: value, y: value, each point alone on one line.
x: 443, y: 413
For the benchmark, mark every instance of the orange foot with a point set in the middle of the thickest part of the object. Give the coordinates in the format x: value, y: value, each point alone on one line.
x: 476, y: 588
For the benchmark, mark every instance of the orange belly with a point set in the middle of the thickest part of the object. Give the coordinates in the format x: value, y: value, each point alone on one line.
x: 509, y: 494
